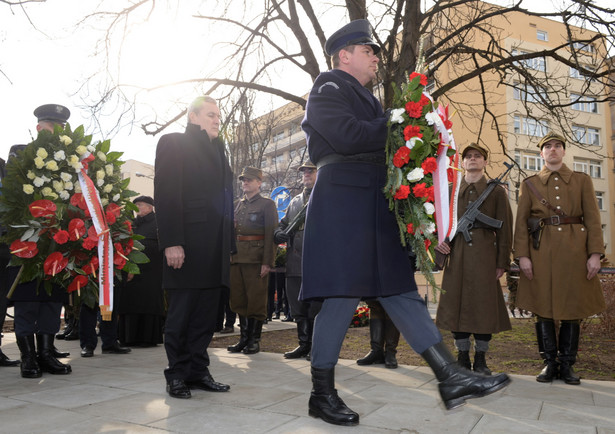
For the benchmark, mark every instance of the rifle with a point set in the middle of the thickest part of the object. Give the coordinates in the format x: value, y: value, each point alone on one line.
x: 296, y: 222
x: 472, y: 214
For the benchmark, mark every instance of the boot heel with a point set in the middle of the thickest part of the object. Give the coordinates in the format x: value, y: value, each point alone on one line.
x: 454, y: 403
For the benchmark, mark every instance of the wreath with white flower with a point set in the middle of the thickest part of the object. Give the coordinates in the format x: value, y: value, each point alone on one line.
x: 419, y: 143
x: 55, y: 229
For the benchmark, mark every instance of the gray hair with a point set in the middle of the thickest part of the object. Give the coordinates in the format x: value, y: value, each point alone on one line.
x: 197, y: 104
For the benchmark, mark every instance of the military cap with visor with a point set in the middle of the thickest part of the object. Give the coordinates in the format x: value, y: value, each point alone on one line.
x: 307, y: 165
x: 551, y: 136
x: 357, y: 32
x: 251, y: 173
x: 484, y: 152
x: 55, y: 113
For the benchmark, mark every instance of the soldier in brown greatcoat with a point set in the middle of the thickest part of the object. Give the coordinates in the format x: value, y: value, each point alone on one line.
x: 472, y: 301
x: 559, y: 269
x: 255, y: 220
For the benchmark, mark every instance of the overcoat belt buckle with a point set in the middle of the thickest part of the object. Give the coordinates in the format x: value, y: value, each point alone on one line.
x: 554, y: 220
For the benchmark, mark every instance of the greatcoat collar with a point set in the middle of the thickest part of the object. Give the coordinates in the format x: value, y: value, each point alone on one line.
x: 564, y: 172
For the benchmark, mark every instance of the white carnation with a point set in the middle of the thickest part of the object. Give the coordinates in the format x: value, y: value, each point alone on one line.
x: 428, y: 228
x: 109, y: 169
x: 59, y: 156
x: 431, y: 118
x: 107, y: 188
x: 416, y: 175
x: 38, y: 182
x: 68, y: 185
x: 413, y: 141
x: 66, y: 177
x: 64, y: 195
x: 100, y: 182
x: 30, y: 175
x: 116, y: 197
x: 104, y: 201
x: 102, y: 155
x: 429, y: 208
x: 396, y: 115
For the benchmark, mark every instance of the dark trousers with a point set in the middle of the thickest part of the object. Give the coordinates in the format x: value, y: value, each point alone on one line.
x: 277, y: 288
x: 190, y: 325
x: 408, y: 312
x: 37, y: 317
x: 88, y: 318
x: 224, y: 310
x: 300, y: 309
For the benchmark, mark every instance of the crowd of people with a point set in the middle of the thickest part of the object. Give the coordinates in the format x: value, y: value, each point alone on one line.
x: 212, y: 255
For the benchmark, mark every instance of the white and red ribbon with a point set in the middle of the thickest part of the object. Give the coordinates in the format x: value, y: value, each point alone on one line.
x: 105, y: 246
x: 446, y: 207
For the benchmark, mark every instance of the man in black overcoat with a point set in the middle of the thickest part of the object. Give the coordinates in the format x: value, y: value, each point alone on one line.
x: 194, y: 210
x: 351, y: 247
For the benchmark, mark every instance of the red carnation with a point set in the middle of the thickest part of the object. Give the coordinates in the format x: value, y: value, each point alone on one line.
x: 128, y: 225
x: 42, y: 208
x: 423, y: 78
x: 402, y: 192
x: 431, y: 194
x: 89, y: 243
x: 414, y: 109
x: 61, y: 237
x: 424, y: 100
x: 420, y: 190
x: 410, y: 228
x: 78, y: 282
x: 429, y: 165
x: 54, y: 263
x: 450, y: 174
x: 76, y: 229
x: 24, y: 249
x: 401, y: 157
x: 110, y: 217
x: 412, y: 131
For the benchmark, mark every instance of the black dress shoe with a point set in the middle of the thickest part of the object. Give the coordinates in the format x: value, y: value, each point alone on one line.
x: 87, y: 352
x: 227, y: 329
x: 5, y: 361
x: 59, y: 354
x: 116, y: 348
x: 209, y: 384
x: 287, y: 319
x: 178, y: 389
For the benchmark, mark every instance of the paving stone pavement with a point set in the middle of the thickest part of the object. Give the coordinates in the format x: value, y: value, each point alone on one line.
x: 126, y: 393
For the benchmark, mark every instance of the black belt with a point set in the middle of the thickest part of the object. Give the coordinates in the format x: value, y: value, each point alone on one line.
x: 378, y: 159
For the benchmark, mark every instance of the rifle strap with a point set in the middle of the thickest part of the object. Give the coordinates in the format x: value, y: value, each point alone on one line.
x: 542, y: 199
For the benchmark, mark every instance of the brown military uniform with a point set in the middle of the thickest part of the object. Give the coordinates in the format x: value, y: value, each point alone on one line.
x: 255, y: 221
x: 560, y: 288
x: 473, y: 300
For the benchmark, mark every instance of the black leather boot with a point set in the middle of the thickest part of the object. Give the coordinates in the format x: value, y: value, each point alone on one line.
x: 547, y: 346
x: 463, y: 359
x: 376, y: 334
x: 305, y: 345
x: 243, y: 337
x: 325, y: 402
x: 29, y: 365
x: 391, y: 340
x: 255, y: 328
x: 568, y: 346
x: 74, y: 333
x: 46, y: 359
x: 69, y: 323
x: 456, y: 384
x: 480, y: 363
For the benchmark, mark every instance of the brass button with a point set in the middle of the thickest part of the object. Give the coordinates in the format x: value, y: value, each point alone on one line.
x: 559, y: 229
x: 557, y: 187
x: 556, y: 197
x: 556, y: 178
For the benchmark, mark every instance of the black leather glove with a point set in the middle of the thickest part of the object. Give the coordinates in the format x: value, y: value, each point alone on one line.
x: 281, y: 237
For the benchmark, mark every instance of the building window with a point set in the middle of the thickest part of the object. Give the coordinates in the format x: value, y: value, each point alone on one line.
x: 541, y: 35
x: 592, y: 167
x: 528, y: 93
x: 582, y: 46
x: 586, y: 135
x: 600, y: 200
x: 279, y: 136
x: 530, y: 127
x: 278, y: 159
x: 575, y: 73
x: 537, y: 63
x: 529, y: 160
x: 583, y: 103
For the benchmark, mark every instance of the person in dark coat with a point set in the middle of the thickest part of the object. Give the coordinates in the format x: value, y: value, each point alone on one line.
x: 36, y: 312
x: 5, y: 256
x: 472, y: 302
x: 141, y: 305
x: 351, y: 247
x: 194, y: 211
x: 303, y: 312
